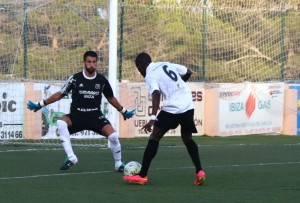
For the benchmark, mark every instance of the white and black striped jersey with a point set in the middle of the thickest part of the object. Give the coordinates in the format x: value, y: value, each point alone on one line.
x: 87, y: 92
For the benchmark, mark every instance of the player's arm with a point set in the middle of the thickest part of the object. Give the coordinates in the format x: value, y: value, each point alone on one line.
x: 53, y: 98
x: 69, y: 85
x: 155, y: 103
x: 184, y: 72
x: 187, y: 75
x: 115, y: 103
x: 35, y: 106
x: 153, y: 88
x: 109, y: 95
x: 155, y: 106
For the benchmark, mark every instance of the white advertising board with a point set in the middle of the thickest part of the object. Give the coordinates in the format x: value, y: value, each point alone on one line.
x: 143, y: 105
x: 11, y: 110
x: 250, y: 108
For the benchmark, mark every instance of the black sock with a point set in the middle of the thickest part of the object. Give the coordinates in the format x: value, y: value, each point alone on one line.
x: 192, y: 149
x: 149, y: 154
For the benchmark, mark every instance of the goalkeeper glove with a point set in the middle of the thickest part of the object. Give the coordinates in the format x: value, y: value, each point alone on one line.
x: 127, y: 113
x: 35, y: 106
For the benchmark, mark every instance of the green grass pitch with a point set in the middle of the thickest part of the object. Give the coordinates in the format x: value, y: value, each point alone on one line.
x: 239, y: 169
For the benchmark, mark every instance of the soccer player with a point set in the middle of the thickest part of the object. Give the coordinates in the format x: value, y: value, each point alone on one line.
x: 87, y: 87
x: 178, y: 109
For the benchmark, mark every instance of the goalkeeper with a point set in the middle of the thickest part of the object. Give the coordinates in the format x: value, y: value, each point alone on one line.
x: 87, y: 87
x: 178, y: 109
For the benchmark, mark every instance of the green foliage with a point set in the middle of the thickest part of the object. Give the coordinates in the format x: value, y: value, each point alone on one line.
x: 231, y: 41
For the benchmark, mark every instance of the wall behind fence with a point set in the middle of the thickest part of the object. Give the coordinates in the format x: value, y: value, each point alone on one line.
x: 221, y: 110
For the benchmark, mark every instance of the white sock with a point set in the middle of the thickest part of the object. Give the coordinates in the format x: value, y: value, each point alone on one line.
x: 115, y: 147
x: 66, y: 140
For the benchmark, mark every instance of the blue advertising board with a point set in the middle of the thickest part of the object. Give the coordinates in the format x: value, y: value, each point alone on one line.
x: 297, y: 87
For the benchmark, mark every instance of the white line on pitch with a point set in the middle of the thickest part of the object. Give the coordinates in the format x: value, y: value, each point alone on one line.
x: 29, y: 150
x: 173, y: 168
x: 162, y: 146
x: 235, y: 165
x: 259, y: 164
x: 55, y: 174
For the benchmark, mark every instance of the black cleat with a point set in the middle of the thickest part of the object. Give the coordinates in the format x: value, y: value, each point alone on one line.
x: 68, y: 163
x: 121, y: 168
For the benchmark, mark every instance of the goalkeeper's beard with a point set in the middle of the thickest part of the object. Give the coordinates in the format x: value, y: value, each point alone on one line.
x: 90, y: 70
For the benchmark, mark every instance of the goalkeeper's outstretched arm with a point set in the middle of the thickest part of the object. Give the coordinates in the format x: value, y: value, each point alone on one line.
x: 35, y: 106
x: 53, y: 98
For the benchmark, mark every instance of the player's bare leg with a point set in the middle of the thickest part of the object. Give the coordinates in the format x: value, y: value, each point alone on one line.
x: 149, y: 154
x: 192, y: 149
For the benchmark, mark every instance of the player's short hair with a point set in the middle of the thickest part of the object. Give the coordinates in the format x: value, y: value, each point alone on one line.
x: 143, y: 59
x: 90, y: 53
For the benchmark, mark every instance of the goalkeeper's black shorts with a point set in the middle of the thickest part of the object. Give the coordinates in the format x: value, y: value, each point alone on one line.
x: 87, y: 121
x: 167, y: 121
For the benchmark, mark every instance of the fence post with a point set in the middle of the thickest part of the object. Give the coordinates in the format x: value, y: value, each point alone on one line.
x: 25, y: 63
x: 283, y: 51
x: 204, y: 39
x: 121, y: 41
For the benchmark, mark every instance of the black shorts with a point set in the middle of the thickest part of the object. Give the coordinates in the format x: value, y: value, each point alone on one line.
x: 87, y: 121
x: 167, y: 121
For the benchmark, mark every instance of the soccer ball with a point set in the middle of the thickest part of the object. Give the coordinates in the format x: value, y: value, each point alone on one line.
x: 132, y: 168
